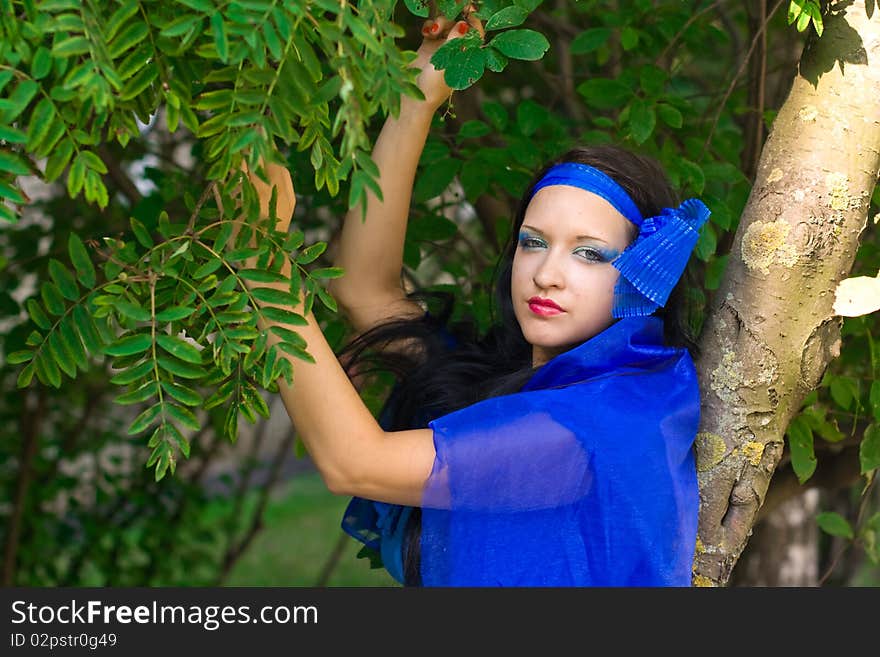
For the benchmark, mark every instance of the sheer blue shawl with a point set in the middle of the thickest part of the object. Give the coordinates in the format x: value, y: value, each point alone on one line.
x: 586, y: 477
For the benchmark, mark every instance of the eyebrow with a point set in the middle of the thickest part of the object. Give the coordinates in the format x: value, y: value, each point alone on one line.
x: 578, y: 238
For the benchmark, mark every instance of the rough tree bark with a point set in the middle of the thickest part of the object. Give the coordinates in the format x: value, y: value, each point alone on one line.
x: 772, y: 332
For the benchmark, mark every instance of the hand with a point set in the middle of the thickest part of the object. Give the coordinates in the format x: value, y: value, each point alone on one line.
x: 436, y: 32
x: 279, y: 177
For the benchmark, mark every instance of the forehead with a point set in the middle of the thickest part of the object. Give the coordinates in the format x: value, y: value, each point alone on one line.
x: 565, y: 212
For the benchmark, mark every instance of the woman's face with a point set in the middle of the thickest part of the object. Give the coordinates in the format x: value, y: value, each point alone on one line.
x: 566, y: 244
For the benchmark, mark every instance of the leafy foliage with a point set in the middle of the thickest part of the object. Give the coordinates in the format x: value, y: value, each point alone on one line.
x: 123, y: 273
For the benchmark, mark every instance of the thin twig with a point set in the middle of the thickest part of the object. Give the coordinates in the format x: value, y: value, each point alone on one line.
x: 684, y: 27
x: 30, y: 435
x: 737, y: 76
x: 866, y: 495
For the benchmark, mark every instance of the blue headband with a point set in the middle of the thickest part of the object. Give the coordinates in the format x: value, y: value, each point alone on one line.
x: 651, y: 266
x: 591, y: 180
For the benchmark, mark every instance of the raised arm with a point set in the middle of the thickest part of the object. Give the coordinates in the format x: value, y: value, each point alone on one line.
x: 350, y: 450
x: 371, y: 250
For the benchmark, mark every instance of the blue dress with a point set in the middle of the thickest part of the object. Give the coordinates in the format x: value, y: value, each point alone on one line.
x: 585, y: 477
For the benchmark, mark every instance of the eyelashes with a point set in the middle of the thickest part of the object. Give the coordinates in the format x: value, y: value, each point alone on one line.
x: 530, y: 242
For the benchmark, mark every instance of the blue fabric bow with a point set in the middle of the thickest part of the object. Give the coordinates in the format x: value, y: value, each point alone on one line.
x: 651, y: 266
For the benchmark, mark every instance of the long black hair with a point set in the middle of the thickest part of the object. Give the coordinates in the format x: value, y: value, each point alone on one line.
x: 434, y: 378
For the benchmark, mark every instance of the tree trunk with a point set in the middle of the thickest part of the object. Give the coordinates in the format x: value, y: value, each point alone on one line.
x: 772, y: 332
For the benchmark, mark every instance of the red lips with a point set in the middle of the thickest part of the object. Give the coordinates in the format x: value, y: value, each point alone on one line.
x: 549, y: 303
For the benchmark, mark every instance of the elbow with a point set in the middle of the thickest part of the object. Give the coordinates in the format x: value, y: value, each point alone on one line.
x: 336, y: 482
x: 353, y: 472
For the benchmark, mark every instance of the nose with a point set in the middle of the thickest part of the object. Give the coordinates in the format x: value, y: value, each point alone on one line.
x: 549, y: 272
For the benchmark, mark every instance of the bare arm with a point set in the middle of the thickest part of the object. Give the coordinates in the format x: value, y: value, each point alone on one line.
x: 351, y: 451
x: 371, y: 250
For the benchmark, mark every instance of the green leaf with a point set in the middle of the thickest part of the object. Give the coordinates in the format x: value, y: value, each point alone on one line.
x: 52, y: 298
x: 284, y: 316
x: 418, y: 7
x: 328, y: 272
x: 145, y: 419
x: 139, y: 395
x: 508, y: 17
x: 204, y: 6
x: 136, y: 32
x: 11, y: 193
x: 326, y: 299
x: 179, y: 348
x: 311, y: 253
x: 128, y: 9
x: 869, y: 450
x: 803, y: 21
x: 296, y: 352
x: 272, y: 295
x: 12, y: 135
x: 530, y: 116
x: 521, y: 44
x: 603, y: 93
x: 262, y: 276
x: 181, y: 25
x: 208, y: 267
x: 183, y: 416
x: 219, y: 31
x: 874, y: 398
x: 182, y: 394
x: 26, y: 375
x: 642, y: 120
x: 843, y: 391
x: 137, y: 84
x: 495, y: 61
x: 92, y: 161
x: 834, y: 524
x: 85, y: 271
x: 133, y: 373
x: 132, y: 311
x: 588, y: 40
x: 71, y: 47
x: 64, y: 280
x: 129, y: 345
x: 629, y: 38
x: 87, y: 331
x: 181, y: 369
x: 12, y: 163
x: 37, y: 315
x: 174, y: 314
x: 141, y: 233
x: 19, y: 99
x: 19, y: 357
x: 463, y: 61
x: 715, y: 270
x: 669, y: 115
x: 800, y: 442
x: 59, y: 158
x: 41, y: 64
x: 61, y: 355
x: 47, y: 370
x: 70, y: 340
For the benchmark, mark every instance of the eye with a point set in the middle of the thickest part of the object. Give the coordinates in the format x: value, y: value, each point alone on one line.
x: 528, y: 242
x: 591, y: 255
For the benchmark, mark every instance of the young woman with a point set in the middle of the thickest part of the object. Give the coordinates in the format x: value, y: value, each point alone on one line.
x: 557, y: 449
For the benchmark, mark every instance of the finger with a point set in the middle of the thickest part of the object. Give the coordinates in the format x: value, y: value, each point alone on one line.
x: 459, y: 29
x: 476, y: 24
x: 436, y: 28
x: 468, y: 13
